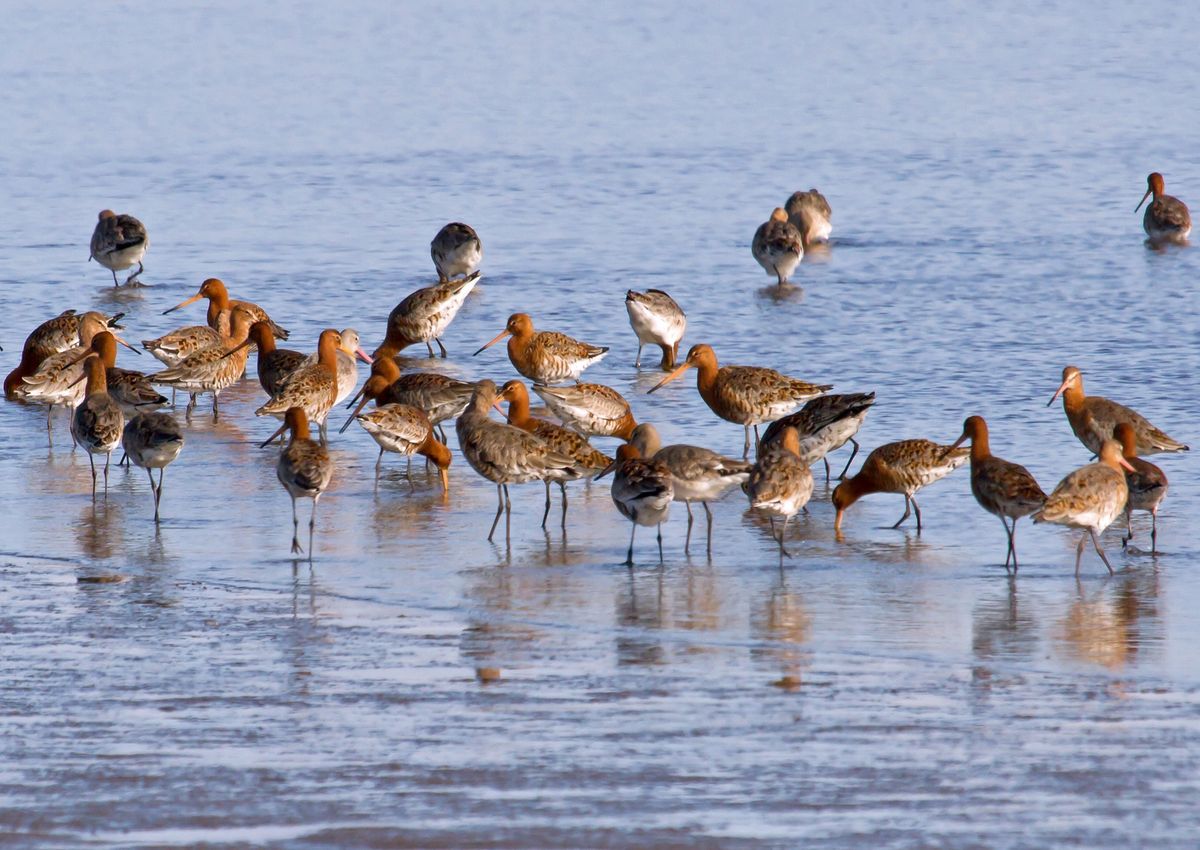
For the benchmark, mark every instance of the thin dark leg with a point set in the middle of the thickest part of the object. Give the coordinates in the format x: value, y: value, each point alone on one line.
x: 907, y: 511
x: 637, y: 363
x: 1154, y: 531
x: 563, y: 486
x: 1079, y: 552
x: 546, y: 513
x: 312, y: 524
x: 49, y: 424
x: 1128, y: 526
x: 629, y: 554
x: 507, y: 518
x: 708, y: 514
x: 92, y: 461
x: 854, y: 442
x: 442, y: 347
x: 114, y: 274
x: 499, y: 510
x: 324, y: 433
x: 107, y: 458
x: 296, y: 550
x: 660, y: 552
x: 687, y: 541
x: 825, y: 460
x: 379, y: 462
x: 782, y: 534
x: 917, y: 511
x: 216, y: 406
x: 746, y: 448
x: 1100, y: 550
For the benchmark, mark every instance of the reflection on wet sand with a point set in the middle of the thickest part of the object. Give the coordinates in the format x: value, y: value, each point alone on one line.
x: 1001, y: 629
x: 641, y: 616
x: 1114, y: 623
x: 781, y: 626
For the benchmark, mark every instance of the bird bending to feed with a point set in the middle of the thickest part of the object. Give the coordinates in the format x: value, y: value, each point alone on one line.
x: 456, y: 250
x: 560, y: 439
x: 747, y: 395
x: 824, y: 424
x: 810, y: 214
x: 1106, y: 416
x: 657, y: 320
x: 424, y: 316
x: 780, y: 484
x: 642, y: 491
x: 1090, y: 498
x: 219, y: 303
x: 347, y: 369
x: 97, y: 422
x: 697, y: 474
x: 1002, y: 488
x: 118, y: 242
x: 504, y: 454
x: 304, y: 469
x: 1167, y: 217
x: 131, y: 390
x: 593, y: 410
x: 152, y: 440
x: 49, y: 338
x: 439, y: 396
x: 777, y: 246
x: 213, y: 368
x: 1147, y: 485
x: 405, y: 430
x: 545, y: 357
x: 901, y: 467
x: 312, y: 388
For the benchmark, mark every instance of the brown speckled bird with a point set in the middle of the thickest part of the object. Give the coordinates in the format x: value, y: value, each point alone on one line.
x: 780, y: 484
x: 275, y: 365
x: 97, y: 422
x: 152, y: 441
x: 50, y: 337
x: 439, y: 396
x: 1107, y: 415
x: 1147, y: 485
x: 312, y: 388
x: 1001, y: 488
x: 593, y: 410
x: 824, y: 424
x: 545, y: 357
x: 424, y: 316
x: 747, y: 395
x: 405, y: 430
x: 213, y: 368
x: 304, y: 469
x: 901, y: 467
x: 777, y: 246
x: 1167, y: 218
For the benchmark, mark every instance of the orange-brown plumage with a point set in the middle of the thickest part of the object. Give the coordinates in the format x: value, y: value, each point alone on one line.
x: 901, y: 467
x: 545, y: 357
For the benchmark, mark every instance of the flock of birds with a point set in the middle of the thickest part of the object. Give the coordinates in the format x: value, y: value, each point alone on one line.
x: 70, y: 361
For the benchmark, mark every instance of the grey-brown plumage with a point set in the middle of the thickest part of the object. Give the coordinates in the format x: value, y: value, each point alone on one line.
x: 504, y: 454
x: 658, y: 320
x: 1147, y: 485
x: 424, y: 315
x: 119, y: 241
x: 456, y: 250
x: 47, y: 339
x: 304, y: 469
x: 97, y: 422
x: 1090, y: 498
x: 642, y: 490
x: 824, y: 425
x: 810, y: 214
x: 152, y: 441
x: 1167, y: 218
x: 780, y: 483
x: 440, y: 396
x: 697, y: 474
x: 777, y: 246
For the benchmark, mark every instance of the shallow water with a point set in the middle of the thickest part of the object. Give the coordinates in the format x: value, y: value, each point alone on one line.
x: 888, y: 690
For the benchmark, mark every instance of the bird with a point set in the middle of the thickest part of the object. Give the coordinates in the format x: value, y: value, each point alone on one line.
x: 424, y: 315
x: 50, y: 337
x: 313, y: 387
x: 810, y: 214
x: 1106, y: 415
x: 824, y: 424
x: 697, y: 474
x: 901, y: 467
x: 152, y: 440
x: 219, y: 303
x: 1167, y: 217
x: 1090, y: 498
x: 747, y: 395
x: 657, y: 320
x: 97, y: 422
x: 440, y: 397
x: 777, y: 246
x: 405, y: 430
x: 545, y: 357
x: 504, y: 454
x: 56, y: 384
x: 304, y: 469
x: 642, y: 491
x: 456, y: 250
x: 213, y: 368
x: 780, y: 483
x: 275, y: 365
x: 118, y: 242
x: 593, y: 410
x: 1002, y: 488
x: 347, y: 369
x: 1147, y: 485
x: 560, y: 439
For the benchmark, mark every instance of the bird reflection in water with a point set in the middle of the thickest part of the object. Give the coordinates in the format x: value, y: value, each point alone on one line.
x: 1114, y: 624
x: 641, y: 613
x: 782, y: 626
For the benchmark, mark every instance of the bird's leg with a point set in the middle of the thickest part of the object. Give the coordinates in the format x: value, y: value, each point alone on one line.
x: 825, y: 460
x: 133, y: 276
x: 757, y: 439
x: 563, y: 486
x: 499, y: 510
x: 917, y: 511
x: 296, y: 550
x: 853, y: 442
x: 1154, y: 531
x: 660, y: 551
x: 746, y: 448
x: 907, y: 511
x: 440, y: 346
x: 107, y: 458
x: 507, y: 519
x: 216, y: 406
x: 546, y: 513
x: 191, y: 405
x: 687, y: 541
x: 312, y: 524
x: 158, y: 493
x: 637, y: 363
x: 153, y: 492
x: 430, y: 347
x: 124, y: 459
x: 708, y: 514
x: 1100, y: 550
x: 629, y: 554
x: 379, y: 462
x: 1079, y: 552
x: 324, y: 434
x: 92, y: 461
x: 1128, y: 526
x: 782, y: 534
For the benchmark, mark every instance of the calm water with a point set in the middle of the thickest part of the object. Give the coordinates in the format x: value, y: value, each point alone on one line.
x: 983, y: 168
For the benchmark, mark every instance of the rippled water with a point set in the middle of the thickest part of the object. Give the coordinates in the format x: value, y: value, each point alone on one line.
x: 890, y: 690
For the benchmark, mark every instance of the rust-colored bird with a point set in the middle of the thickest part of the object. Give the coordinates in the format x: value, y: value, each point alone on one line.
x: 119, y: 241
x: 593, y: 410
x: 50, y: 337
x: 1147, y: 485
x: 304, y: 469
x: 545, y: 357
x: 747, y: 395
x: 901, y: 467
x: 97, y: 422
x: 657, y: 320
x: 777, y: 246
x: 275, y: 365
x: 424, y: 316
x: 1090, y: 498
x: 312, y: 388
x: 1167, y: 218
x: 1002, y: 488
x: 1106, y: 416
x: 780, y: 484
x: 213, y: 368
x: 219, y: 303
x: 348, y: 353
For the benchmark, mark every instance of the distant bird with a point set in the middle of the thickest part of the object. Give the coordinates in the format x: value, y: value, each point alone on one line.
x: 1107, y: 415
x: 424, y: 315
x: 824, y: 425
x: 777, y: 246
x: 545, y: 357
x: 697, y: 474
x: 901, y: 467
x: 642, y: 490
x: 304, y: 469
x: 747, y: 395
x: 593, y: 410
x: 1090, y: 498
x: 1147, y: 485
x: 118, y: 242
x: 1167, y: 217
x: 657, y: 320
x: 97, y: 422
x: 1002, y: 488
x: 456, y: 250
x: 780, y: 484
x: 810, y: 214
x: 152, y: 441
